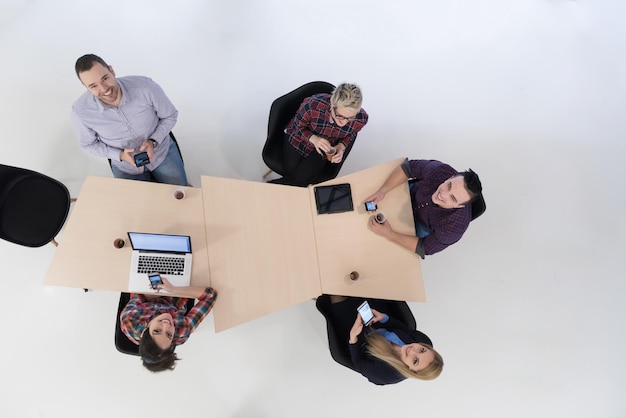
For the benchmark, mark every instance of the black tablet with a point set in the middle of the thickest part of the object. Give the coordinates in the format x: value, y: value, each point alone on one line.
x: 333, y: 199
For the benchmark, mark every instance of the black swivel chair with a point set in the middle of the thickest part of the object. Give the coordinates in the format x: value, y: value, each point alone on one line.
x: 33, y: 206
x: 122, y: 343
x: 478, y: 206
x: 338, y: 343
x: 282, y: 111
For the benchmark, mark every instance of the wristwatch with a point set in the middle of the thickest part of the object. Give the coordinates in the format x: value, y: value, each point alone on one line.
x: 154, y: 143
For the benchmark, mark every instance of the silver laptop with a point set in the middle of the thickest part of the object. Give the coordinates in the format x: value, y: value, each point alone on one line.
x: 169, y: 255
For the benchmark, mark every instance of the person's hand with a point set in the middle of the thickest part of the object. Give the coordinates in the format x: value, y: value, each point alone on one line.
x: 321, y: 144
x: 377, y: 316
x: 339, y: 155
x: 356, y: 330
x: 127, y: 155
x: 384, y: 229
x: 377, y: 197
x: 166, y: 285
x: 148, y: 147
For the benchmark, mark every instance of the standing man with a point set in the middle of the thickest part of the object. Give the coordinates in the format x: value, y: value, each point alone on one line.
x: 118, y: 118
x: 441, y: 199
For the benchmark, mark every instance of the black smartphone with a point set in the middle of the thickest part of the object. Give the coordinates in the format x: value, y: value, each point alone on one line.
x: 141, y: 159
x: 366, y: 313
x: 155, y: 280
x: 370, y: 206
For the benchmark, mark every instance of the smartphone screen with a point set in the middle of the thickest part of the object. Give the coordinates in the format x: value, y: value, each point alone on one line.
x: 370, y: 206
x: 155, y: 279
x: 141, y: 159
x: 366, y: 313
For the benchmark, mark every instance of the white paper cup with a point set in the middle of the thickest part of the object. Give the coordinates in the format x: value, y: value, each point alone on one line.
x: 179, y: 194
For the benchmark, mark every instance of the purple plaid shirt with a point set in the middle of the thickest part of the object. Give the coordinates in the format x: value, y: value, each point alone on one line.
x: 314, y: 118
x: 138, y: 312
x: 447, y: 225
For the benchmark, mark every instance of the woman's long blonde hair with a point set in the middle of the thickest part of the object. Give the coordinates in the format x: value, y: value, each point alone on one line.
x: 381, y: 348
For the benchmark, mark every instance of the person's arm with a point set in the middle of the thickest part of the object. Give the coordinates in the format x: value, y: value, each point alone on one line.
x: 89, y: 140
x: 409, y: 242
x: 300, y: 129
x: 187, y: 291
x: 395, y: 179
x: 165, y: 111
x: 206, y: 299
x: 201, y: 309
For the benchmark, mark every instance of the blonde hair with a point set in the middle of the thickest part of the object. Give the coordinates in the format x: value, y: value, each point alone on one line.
x: 379, y: 347
x: 347, y: 95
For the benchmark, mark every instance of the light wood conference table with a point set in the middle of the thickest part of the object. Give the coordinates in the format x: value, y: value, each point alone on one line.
x: 108, y: 208
x: 269, y: 249
x: 262, y: 246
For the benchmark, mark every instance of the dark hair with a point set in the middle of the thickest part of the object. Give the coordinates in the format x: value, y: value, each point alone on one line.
x: 472, y: 184
x: 87, y: 61
x: 155, y: 359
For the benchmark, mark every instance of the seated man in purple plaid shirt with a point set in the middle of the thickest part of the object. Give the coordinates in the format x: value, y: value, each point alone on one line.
x: 323, y: 123
x: 440, y: 197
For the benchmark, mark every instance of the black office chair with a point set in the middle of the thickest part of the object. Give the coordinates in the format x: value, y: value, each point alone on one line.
x: 282, y: 111
x: 122, y: 343
x: 478, y: 206
x: 338, y: 343
x: 33, y: 206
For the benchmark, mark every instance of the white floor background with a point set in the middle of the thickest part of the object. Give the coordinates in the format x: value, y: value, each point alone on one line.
x: 527, y: 309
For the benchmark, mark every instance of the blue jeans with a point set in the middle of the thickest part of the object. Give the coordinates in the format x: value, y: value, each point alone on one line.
x: 421, y: 230
x: 170, y: 171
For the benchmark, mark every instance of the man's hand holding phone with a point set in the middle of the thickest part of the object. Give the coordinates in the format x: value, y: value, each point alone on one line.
x: 377, y: 197
x: 148, y: 147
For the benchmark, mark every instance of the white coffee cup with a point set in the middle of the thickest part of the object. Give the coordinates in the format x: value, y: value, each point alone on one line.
x: 380, y: 218
x: 179, y: 194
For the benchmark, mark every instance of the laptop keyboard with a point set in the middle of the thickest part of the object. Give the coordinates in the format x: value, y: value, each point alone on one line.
x: 173, y: 266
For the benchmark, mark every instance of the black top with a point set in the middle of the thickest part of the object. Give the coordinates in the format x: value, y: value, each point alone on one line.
x: 377, y: 371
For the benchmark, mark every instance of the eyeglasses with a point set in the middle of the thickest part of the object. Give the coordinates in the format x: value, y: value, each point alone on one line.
x: 341, y: 117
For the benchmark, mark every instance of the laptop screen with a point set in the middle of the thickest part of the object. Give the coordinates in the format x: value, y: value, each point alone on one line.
x: 160, y: 242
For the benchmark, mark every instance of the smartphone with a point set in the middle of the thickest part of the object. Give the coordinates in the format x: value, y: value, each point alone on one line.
x: 141, y: 159
x: 155, y: 280
x: 370, y: 206
x: 366, y: 313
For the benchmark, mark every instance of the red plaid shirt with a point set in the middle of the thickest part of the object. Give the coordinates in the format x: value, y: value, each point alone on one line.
x: 314, y: 118
x: 138, y: 312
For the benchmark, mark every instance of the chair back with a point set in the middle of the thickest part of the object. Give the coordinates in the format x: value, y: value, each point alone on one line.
x: 282, y: 111
x: 33, y: 206
x: 337, y: 344
x: 478, y: 206
x: 122, y: 343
